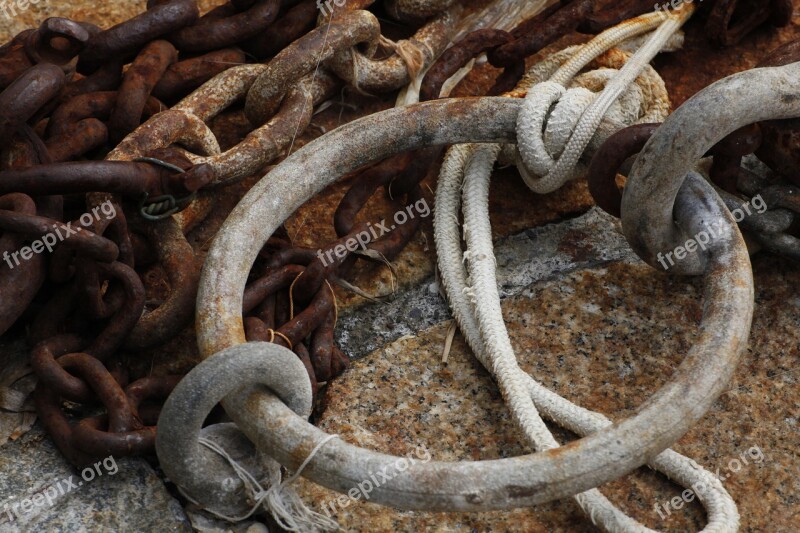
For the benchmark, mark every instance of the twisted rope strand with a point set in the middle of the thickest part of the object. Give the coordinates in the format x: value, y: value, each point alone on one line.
x: 534, y: 158
x: 486, y: 334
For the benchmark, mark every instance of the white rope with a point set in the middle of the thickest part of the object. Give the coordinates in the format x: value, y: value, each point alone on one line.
x: 279, y: 499
x: 469, y: 167
x: 545, y: 164
x: 469, y: 277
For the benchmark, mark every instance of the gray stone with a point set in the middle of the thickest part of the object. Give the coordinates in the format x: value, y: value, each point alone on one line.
x: 119, y: 495
x: 590, y: 240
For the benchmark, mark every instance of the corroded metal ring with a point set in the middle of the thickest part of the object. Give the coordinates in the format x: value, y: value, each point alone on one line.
x: 649, y: 196
x: 462, y: 486
x: 200, y: 473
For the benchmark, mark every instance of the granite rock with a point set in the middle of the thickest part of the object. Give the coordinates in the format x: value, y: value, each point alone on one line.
x: 41, y: 491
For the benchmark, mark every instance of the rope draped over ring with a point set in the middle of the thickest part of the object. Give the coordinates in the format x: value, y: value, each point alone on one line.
x: 561, y: 116
x: 472, y: 293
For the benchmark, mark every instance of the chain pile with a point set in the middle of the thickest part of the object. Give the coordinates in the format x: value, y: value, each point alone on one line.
x: 71, y: 94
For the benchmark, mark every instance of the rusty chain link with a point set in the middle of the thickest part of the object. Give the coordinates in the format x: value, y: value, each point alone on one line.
x: 68, y: 99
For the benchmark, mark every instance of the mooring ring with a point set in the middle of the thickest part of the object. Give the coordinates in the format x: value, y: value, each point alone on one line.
x: 649, y: 195
x: 463, y: 486
x: 202, y: 474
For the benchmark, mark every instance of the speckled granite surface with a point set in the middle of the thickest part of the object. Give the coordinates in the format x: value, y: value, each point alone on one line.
x: 41, y: 491
x: 585, y: 318
x: 605, y: 336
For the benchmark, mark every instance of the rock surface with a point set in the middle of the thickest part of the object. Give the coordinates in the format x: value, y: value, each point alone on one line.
x: 40, y: 491
x: 605, y: 331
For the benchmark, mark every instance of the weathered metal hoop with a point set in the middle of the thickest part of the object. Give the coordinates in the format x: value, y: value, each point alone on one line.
x: 203, y: 474
x: 649, y: 196
x: 464, y: 486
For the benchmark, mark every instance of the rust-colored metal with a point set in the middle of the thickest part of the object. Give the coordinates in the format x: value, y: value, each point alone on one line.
x: 92, y: 285
x: 77, y: 140
x: 127, y: 38
x: 55, y: 422
x: 304, y: 323
x: 185, y: 76
x: 137, y: 84
x: 150, y: 388
x: 302, y: 57
x: 728, y: 155
x: 508, y: 79
x: 51, y: 319
x: 228, y: 26
x: 295, y: 23
x: 72, y: 235
x: 614, y: 13
x: 608, y: 160
x: 302, y: 353
x: 782, y: 11
x: 57, y: 41
x: 86, y: 441
x: 273, y: 281
x: 106, y: 78
x: 123, y: 322
x: 542, y: 33
x: 731, y: 20
x: 267, y: 142
x: 97, y: 105
x: 19, y: 283
x: 183, y: 270
x: 458, y: 55
x: 27, y: 94
x: 14, y: 60
x: 90, y: 437
x: 628, y: 142
x: 362, y: 190
x: 781, y: 147
x: 119, y: 177
x: 52, y: 375
x: 321, y: 352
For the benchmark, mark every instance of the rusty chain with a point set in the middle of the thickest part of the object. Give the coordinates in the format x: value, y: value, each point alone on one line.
x: 66, y: 105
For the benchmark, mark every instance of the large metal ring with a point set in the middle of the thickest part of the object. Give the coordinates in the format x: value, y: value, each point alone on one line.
x: 202, y: 474
x: 700, y: 123
x: 462, y: 486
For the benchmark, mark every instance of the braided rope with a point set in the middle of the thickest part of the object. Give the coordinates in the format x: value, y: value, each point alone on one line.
x: 582, y: 112
x: 466, y: 171
x: 469, y: 167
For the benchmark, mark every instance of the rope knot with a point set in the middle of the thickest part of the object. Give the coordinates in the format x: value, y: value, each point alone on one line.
x: 567, y: 115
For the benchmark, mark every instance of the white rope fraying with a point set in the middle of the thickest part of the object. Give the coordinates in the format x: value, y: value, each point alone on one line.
x: 280, y: 500
x: 560, y: 118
